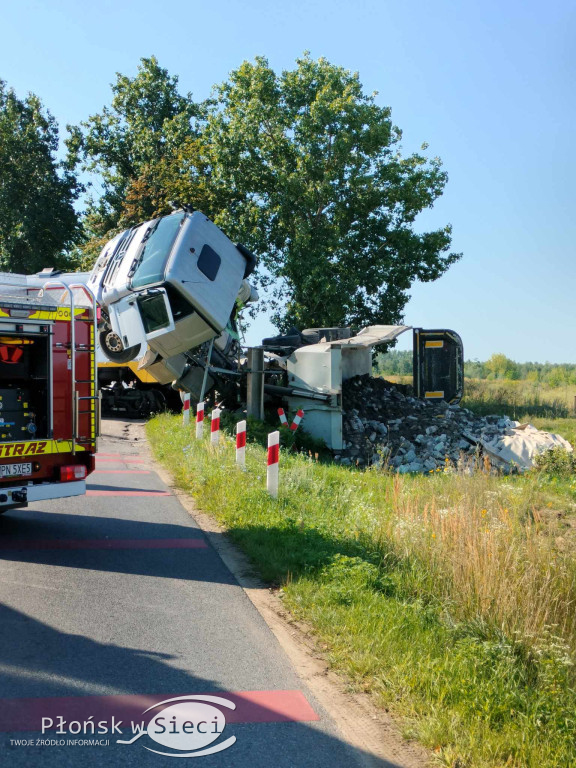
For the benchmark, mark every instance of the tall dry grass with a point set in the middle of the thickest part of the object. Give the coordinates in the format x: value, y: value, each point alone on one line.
x: 518, y: 399
x: 486, y: 560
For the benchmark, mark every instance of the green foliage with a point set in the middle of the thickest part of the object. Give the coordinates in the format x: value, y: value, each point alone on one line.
x: 474, y: 369
x: 497, y: 368
x: 257, y: 432
x: 38, y: 223
x: 516, y: 399
x: 501, y: 367
x: 318, y: 187
x: 557, y: 462
x: 562, y: 375
x: 346, y: 577
x: 566, y: 428
x: 303, y: 167
x: 144, y: 147
x: 394, y: 363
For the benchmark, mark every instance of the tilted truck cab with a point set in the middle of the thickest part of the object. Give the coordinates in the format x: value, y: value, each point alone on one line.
x: 166, y: 287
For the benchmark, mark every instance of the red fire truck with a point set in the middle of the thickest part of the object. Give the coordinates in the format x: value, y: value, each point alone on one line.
x: 49, y: 403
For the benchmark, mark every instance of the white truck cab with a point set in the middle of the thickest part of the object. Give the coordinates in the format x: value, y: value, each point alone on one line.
x: 168, y: 286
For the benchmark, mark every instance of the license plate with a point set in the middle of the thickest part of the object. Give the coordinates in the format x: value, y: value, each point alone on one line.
x: 15, y: 470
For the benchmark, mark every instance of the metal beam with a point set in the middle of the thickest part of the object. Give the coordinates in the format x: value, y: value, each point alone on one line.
x: 255, y: 383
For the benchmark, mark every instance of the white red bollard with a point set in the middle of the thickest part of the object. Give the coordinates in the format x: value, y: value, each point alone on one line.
x: 215, y: 427
x: 297, y: 420
x: 199, y: 420
x: 241, y: 444
x: 186, y: 409
x: 273, y: 459
x: 283, y: 419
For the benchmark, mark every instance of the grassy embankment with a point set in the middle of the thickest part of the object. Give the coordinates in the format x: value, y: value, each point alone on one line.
x: 448, y: 598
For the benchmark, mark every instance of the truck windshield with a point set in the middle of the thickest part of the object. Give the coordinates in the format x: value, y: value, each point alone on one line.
x: 153, y: 258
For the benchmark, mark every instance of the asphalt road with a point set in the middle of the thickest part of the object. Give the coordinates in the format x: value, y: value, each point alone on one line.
x: 114, y: 602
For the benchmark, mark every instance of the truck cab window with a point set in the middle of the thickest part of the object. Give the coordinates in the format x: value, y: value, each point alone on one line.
x: 155, y: 252
x: 153, y: 312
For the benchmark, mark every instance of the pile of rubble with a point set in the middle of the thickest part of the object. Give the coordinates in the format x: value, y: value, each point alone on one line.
x: 382, y: 424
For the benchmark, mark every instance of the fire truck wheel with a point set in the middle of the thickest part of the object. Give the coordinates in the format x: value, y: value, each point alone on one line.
x: 111, y: 345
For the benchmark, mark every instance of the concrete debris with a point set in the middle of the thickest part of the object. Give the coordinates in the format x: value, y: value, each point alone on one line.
x: 382, y: 424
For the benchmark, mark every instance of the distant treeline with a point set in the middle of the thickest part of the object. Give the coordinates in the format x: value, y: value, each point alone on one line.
x: 399, y: 363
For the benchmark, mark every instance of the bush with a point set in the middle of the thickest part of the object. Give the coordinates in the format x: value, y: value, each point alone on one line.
x: 556, y: 461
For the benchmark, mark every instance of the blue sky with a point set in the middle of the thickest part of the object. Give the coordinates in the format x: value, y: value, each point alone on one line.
x: 489, y: 85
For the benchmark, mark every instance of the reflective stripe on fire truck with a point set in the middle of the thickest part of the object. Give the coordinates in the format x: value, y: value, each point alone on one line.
x: 37, y: 448
x: 62, y: 313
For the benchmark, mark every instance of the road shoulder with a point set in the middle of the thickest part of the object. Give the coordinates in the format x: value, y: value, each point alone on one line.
x: 362, y: 725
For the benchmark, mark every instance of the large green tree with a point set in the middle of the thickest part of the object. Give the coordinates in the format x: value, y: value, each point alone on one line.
x: 38, y: 223
x: 315, y: 181
x: 304, y: 167
x: 144, y: 149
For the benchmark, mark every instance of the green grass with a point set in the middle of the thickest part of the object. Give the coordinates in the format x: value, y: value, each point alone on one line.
x: 548, y: 408
x: 448, y: 598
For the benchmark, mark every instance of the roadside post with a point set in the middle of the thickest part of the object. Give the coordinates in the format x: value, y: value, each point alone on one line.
x: 186, y: 409
x: 297, y: 419
x: 273, y: 460
x: 241, y: 444
x: 215, y: 427
x: 199, y: 420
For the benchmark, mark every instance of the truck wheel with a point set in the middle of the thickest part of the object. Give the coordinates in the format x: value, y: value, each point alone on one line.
x: 111, y: 345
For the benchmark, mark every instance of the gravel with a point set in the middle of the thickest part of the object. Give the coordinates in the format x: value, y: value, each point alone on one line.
x: 382, y: 424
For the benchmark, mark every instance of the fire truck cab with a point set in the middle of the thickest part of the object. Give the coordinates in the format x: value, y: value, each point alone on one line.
x: 49, y: 403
